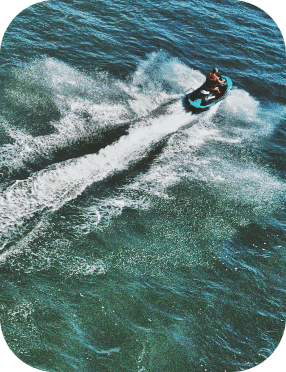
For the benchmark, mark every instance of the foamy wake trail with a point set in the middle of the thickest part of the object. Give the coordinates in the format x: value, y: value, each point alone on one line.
x: 84, y: 110
x: 71, y: 130
x: 85, y: 106
x: 53, y: 187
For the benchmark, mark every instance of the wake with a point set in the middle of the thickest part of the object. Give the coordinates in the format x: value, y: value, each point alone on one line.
x: 54, y: 186
x: 120, y: 133
x: 80, y: 112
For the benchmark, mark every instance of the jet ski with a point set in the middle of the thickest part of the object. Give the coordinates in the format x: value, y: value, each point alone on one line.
x: 202, y: 98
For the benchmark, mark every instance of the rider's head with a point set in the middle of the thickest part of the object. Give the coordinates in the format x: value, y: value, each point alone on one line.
x: 215, y: 70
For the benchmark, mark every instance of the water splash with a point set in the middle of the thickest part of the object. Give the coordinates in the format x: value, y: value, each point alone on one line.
x: 55, y: 186
x: 86, y: 115
x: 85, y: 107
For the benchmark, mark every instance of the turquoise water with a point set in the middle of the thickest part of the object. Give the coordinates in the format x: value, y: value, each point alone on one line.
x: 136, y: 236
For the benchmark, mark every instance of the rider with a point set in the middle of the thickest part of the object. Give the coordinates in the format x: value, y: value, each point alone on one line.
x: 212, y: 80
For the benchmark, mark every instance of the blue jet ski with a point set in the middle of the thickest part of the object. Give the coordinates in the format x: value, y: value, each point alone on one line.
x: 202, y: 98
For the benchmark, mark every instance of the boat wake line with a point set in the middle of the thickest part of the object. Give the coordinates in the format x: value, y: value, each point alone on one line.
x: 97, y: 140
x: 51, y: 188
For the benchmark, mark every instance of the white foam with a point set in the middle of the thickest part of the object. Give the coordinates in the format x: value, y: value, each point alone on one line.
x: 81, y: 266
x: 239, y: 103
x: 85, y: 102
x: 54, y: 186
x: 156, y: 80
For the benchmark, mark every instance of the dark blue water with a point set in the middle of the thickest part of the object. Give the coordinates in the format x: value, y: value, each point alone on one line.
x: 136, y: 236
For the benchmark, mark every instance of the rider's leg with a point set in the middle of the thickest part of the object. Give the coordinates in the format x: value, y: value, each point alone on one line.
x: 216, y: 90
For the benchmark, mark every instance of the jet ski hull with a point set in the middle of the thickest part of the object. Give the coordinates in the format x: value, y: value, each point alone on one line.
x: 202, y: 99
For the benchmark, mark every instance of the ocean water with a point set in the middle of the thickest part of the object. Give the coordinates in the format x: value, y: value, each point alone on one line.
x: 136, y: 236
